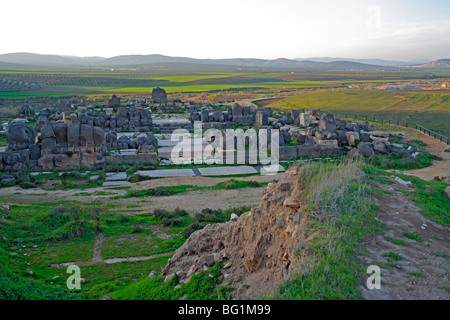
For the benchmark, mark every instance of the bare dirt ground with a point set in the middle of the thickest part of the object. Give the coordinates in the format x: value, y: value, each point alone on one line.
x: 423, y: 270
x: 440, y: 168
x: 192, y: 201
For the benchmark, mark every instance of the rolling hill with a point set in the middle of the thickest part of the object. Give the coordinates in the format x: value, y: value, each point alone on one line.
x: 32, y: 61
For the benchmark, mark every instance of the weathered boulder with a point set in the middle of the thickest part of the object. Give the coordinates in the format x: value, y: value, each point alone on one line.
x: 48, y: 146
x: 60, y: 130
x: 381, y: 146
x: 327, y: 122
x: 261, y: 119
x: 341, y: 136
x: 35, y: 152
x: 237, y: 109
x: 46, y: 162
x: 47, y: 132
x: 285, y: 120
x: 151, y: 139
x: 365, y: 149
x: 64, y: 161
x: 379, y: 136
x: 99, y: 138
x: 16, y: 160
x: 122, y: 112
x: 114, y: 102
x: 20, y: 136
x: 354, y: 153
x: 288, y: 152
x: 216, y: 115
x: 294, y: 116
x: 111, y: 137
x: 41, y: 121
x: 159, y: 95
x: 304, y: 119
x: 73, y: 135
x: 86, y: 137
x: 25, y: 111
x: 196, y: 117
x: 205, y: 116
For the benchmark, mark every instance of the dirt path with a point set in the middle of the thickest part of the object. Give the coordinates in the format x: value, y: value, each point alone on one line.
x: 192, y: 201
x: 97, y: 256
x: 440, y: 168
x: 423, y: 270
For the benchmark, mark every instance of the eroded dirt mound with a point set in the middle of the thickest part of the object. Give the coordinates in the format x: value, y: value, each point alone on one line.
x: 258, y: 249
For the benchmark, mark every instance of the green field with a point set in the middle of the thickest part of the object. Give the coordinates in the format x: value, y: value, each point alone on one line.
x: 429, y: 109
x: 128, y: 82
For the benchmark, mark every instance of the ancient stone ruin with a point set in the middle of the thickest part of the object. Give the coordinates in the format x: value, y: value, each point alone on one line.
x: 68, y: 140
x: 78, y: 137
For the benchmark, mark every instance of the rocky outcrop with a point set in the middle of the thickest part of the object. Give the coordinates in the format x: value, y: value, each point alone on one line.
x: 261, y: 247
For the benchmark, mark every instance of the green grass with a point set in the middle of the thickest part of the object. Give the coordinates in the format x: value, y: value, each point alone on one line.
x: 399, y: 242
x: 340, y: 199
x: 430, y: 196
x: 392, y: 256
x: 442, y: 255
x: 201, y: 286
x: 169, y: 191
x: 412, y: 236
x: 400, y: 161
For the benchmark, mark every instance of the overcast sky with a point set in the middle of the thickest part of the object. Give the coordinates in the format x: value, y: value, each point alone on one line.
x: 396, y: 30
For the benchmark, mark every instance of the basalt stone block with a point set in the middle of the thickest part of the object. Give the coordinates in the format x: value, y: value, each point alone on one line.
x: 86, y: 136
x: 159, y: 95
x: 60, y: 131
x: 288, y: 152
x: 64, y: 161
x: 294, y: 115
x: 205, y: 116
x: 48, y: 146
x: 99, y: 137
x: 46, y: 162
x: 327, y: 122
x: 73, y: 135
x: 114, y: 102
x: 16, y: 160
x: 20, y: 136
x: 35, y: 152
x: 365, y: 149
x: 47, y: 132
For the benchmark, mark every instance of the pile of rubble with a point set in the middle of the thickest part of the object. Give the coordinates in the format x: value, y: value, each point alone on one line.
x: 320, y: 134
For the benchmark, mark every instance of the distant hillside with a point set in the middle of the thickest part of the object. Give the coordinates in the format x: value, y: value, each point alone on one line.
x: 442, y: 64
x: 378, y: 62
x: 47, y: 60
x: 31, y: 61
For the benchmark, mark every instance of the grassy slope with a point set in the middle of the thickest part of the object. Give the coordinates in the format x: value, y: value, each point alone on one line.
x: 431, y: 110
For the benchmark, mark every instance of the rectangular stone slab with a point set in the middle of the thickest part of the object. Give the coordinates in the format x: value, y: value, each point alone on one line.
x: 116, y: 176
x: 115, y: 183
x: 164, y: 173
x: 224, y: 171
